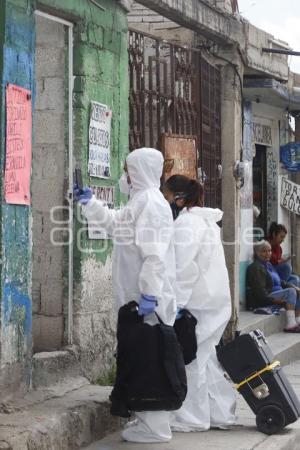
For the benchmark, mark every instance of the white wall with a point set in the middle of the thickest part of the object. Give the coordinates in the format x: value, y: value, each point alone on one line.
x: 271, y: 116
x: 276, y: 119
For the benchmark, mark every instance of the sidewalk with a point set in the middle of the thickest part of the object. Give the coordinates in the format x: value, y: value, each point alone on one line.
x: 244, y: 436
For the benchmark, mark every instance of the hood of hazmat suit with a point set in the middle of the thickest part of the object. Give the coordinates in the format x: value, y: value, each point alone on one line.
x: 203, y: 288
x: 142, y: 233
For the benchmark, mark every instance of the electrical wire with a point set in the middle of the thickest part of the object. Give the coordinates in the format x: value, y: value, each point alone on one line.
x: 97, y: 4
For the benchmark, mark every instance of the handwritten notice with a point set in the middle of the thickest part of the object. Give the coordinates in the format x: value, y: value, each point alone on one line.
x: 18, y: 145
x: 107, y: 195
x: 290, y: 196
x: 99, y: 141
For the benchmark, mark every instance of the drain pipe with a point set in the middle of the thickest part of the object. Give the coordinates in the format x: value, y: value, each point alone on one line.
x: 70, y: 191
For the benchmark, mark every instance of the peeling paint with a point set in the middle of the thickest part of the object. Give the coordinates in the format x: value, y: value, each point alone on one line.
x: 100, y: 61
x: 18, y: 55
x: 16, y: 324
x: 96, y: 291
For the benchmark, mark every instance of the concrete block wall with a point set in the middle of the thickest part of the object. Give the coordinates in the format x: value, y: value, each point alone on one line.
x: 271, y: 64
x: 159, y: 23
x: 213, y: 23
x: 49, y: 169
x: 224, y: 5
x: 140, y: 14
x: 148, y: 21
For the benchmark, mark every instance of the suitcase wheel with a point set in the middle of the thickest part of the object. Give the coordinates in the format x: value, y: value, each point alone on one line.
x: 270, y: 419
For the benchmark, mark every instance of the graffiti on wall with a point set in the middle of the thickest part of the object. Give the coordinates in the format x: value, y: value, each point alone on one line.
x: 272, y: 170
x: 246, y: 192
x: 17, y: 324
x: 290, y: 196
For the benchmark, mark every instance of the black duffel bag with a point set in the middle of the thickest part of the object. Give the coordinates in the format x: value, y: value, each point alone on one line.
x: 150, y: 367
x: 185, y: 328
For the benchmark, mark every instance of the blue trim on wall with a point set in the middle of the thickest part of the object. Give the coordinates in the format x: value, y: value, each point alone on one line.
x: 16, y: 305
x: 18, y: 68
x: 242, y: 280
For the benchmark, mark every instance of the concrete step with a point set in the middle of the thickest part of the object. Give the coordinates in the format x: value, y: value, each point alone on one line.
x: 271, y: 324
x: 65, y: 412
x: 53, y: 367
x: 243, y: 436
x: 66, y: 417
x: 285, y: 346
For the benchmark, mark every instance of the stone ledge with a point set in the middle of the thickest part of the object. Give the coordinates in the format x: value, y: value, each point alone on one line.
x: 66, y: 421
x: 52, y: 367
x: 126, y: 4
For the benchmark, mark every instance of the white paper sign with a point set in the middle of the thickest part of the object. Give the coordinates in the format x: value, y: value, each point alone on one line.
x: 106, y: 194
x: 290, y: 196
x: 99, y: 141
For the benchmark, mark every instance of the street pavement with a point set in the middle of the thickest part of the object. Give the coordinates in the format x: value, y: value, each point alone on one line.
x: 243, y: 436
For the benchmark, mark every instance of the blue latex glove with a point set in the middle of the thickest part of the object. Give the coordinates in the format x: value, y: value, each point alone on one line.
x: 82, y: 196
x: 147, y: 305
x: 178, y: 313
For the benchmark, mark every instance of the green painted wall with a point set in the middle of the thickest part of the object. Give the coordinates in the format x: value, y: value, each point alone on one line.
x: 100, y: 70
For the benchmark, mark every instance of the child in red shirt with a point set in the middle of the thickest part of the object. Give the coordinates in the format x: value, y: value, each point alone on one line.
x: 277, y: 234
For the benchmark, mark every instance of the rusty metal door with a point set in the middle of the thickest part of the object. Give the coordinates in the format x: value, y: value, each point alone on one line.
x: 174, y: 90
x: 210, y: 133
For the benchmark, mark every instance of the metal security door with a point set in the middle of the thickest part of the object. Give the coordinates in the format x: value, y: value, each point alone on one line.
x: 174, y: 90
x: 210, y: 133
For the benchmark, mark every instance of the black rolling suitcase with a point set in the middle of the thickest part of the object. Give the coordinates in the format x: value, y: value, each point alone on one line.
x: 260, y: 379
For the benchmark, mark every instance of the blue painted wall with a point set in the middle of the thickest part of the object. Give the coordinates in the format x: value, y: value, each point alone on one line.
x: 16, y: 311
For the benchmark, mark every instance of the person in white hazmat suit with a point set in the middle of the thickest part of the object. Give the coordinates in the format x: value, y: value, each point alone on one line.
x: 203, y: 289
x: 143, y: 259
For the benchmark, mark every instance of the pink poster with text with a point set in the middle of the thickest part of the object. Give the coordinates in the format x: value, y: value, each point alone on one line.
x: 18, y: 145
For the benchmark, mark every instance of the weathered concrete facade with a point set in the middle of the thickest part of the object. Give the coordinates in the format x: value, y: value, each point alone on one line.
x: 269, y: 98
x: 35, y: 276
x: 16, y: 314
x: 155, y: 22
x: 201, y: 17
x: 242, y: 108
x: 35, y: 56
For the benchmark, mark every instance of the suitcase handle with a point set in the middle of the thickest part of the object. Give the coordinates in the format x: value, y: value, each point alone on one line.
x: 261, y: 391
x: 269, y: 368
x: 258, y: 335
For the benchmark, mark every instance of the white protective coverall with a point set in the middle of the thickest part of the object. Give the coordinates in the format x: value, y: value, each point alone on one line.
x: 143, y: 260
x: 203, y: 289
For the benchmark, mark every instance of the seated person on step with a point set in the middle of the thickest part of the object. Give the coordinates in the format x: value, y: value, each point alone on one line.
x: 265, y: 288
x: 276, y: 236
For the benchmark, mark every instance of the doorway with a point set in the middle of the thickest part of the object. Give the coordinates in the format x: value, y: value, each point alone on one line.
x: 51, y: 181
x: 260, y: 186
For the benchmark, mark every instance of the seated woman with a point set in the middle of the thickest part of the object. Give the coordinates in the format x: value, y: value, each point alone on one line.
x: 276, y: 236
x: 265, y: 288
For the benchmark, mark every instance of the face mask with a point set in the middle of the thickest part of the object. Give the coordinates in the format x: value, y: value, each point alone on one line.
x: 124, y: 186
x: 175, y: 209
